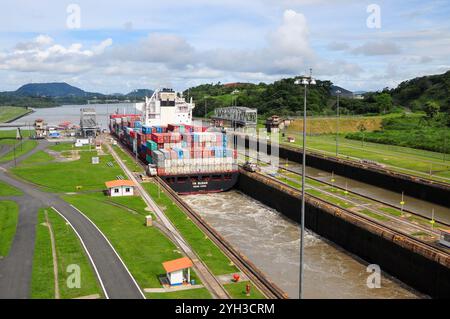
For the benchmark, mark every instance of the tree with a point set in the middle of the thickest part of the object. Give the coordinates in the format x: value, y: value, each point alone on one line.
x: 431, y: 109
x: 384, y: 102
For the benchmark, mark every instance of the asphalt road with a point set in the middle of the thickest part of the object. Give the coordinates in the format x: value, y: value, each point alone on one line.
x: 16, y: 268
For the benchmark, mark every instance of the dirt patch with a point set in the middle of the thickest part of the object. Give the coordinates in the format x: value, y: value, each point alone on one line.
x: 329, y: 125
x: 65, y: 156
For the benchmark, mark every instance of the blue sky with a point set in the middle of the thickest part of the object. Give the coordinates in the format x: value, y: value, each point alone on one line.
x: 123, y: 45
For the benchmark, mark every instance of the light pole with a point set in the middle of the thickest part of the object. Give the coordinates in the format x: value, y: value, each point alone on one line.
x: 305, y: 80
x: 338, y: 92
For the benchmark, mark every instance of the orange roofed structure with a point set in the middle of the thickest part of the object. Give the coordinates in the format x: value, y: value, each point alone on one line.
x: 120, y: 188
x: 178, y: 270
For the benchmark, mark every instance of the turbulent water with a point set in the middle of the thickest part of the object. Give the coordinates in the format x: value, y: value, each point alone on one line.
x: 271, y: 242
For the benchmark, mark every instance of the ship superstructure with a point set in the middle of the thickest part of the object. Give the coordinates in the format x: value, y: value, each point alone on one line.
x: 166, y: 107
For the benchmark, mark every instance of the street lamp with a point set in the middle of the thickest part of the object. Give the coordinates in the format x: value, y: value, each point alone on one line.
x: 305, y: 80
x: 338, y: 92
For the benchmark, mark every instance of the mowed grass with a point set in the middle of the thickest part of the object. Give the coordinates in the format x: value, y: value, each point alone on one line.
x: 8, y: 190
x: 60, y: 147
x: 65, y: 177
x: 8, y: 113
x: 198, y: 293
x: 38, y: 157
x: 8, y: 137
x: 42, y: 278
x: 143, y: 249
x: 69, y: 251
x: 237, y: 291
x: 213, y: 257
x: 333, y: 200
x: 9, y: 213
x: 127, y: 159
x: 408, y: 160
x: 20, y: 149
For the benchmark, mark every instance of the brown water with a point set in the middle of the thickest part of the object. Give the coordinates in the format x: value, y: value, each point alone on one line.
x: 271, y: 242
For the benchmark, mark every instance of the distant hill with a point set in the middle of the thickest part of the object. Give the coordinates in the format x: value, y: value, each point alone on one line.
x: 139, y: 93
x: 416, y: 92
x: 344, y: 92
x: 54, y: 94
x: 54, y: 90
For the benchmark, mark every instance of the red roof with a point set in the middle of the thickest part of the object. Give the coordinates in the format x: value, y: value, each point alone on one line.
x: 177, y: 264
x: 119, y: 182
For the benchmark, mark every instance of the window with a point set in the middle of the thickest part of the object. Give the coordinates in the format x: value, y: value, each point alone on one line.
x: 116, y: 190
x: 127, y: 190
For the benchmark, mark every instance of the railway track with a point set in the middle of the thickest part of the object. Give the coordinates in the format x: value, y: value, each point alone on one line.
x: 444, y: 256
x: 353, y: 192
x: 259, y: 279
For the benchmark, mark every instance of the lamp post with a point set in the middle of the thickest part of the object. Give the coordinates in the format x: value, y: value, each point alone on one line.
x: 338, y: 92
x: 305, y: 81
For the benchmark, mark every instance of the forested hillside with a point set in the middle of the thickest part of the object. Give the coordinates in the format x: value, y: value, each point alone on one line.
x: 283, y: 97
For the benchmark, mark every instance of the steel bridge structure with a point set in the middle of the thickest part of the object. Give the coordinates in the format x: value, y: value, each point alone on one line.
x: 236, y: 116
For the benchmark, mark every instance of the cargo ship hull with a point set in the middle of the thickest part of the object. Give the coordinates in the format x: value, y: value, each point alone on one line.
x: 201, y: 183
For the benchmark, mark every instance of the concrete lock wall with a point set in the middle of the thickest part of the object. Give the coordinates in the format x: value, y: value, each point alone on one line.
x: 425, y: 190
x: 417, y: 271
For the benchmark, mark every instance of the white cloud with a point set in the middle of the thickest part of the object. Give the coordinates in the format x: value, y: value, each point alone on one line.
x: 377, y: 48
x: 42, y: 55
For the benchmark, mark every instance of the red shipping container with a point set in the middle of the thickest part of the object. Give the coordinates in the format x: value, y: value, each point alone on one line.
x: 157, y: 137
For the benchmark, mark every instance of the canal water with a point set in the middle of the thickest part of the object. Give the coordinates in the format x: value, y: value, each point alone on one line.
x: 71, y: 113
x: 271, y: 242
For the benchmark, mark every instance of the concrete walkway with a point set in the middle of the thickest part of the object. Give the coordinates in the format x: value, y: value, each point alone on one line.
x: 206, y: 276
x: 173, y: 288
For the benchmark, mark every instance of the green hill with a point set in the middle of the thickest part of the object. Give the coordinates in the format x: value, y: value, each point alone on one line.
x: 415, y: 93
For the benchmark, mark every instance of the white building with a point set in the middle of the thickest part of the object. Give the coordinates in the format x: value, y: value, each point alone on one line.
x: 178, y: 271
x: 120, y: 188
x: 166, y: 107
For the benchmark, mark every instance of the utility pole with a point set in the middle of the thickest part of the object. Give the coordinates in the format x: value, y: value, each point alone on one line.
x: 305, y: 81
x: 338, y: 92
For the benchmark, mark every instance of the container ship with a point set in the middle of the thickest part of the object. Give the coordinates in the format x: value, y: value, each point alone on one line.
x: 189, y: 158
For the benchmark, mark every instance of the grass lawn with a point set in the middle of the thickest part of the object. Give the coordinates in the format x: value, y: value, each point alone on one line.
x: 42, y: 279
x: 9, y: 136
x: 25, y: 147
x: 126, y: 158
x: 213, y: 257
x: 8, y: 190
x: 38, y: 157
x: 199, y: 293
x: 60, y: 147
x: 329, y: 198
x: 237, y: 291
x: 65, y: 177
x: 9, y: 212
x: 8, y: 113
x: 143, y: 249
x: 69, y: 251
x: 374, y: 215
x: 408, y: 160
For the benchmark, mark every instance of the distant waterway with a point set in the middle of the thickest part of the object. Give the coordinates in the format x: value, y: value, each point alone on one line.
x: 272, y: 243
x: 71, y: 113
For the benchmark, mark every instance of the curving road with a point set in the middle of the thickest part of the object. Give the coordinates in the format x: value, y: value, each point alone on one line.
x: 16, y: 268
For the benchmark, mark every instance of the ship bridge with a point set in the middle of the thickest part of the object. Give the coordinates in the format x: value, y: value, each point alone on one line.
x: 235, y: 116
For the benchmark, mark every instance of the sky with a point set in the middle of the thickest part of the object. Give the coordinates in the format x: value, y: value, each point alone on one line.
x: 118, y: 46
